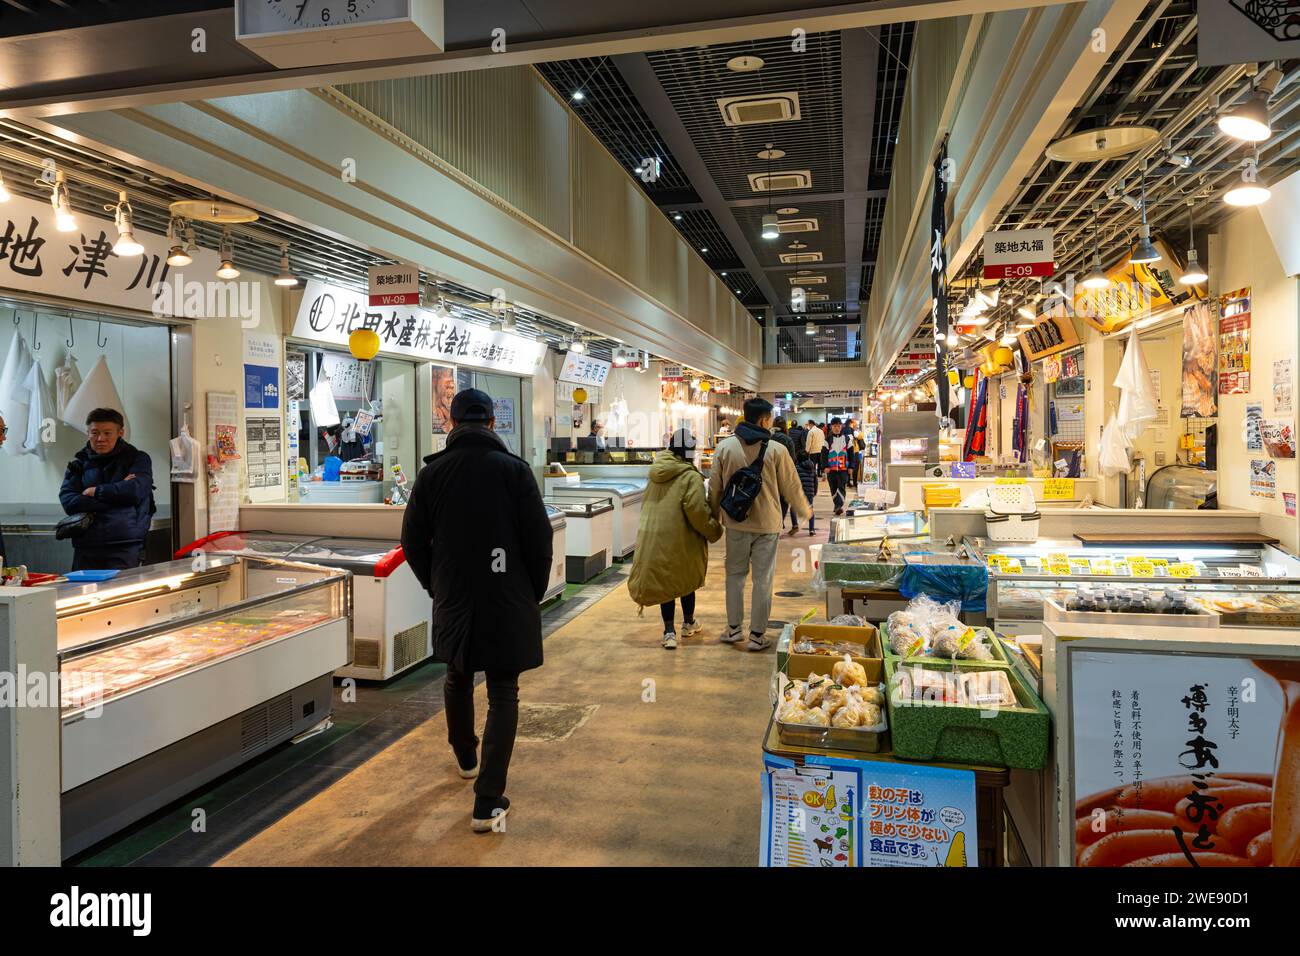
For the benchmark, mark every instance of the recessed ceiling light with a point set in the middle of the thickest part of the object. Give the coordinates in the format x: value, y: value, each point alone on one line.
x: 578, y: 96
x: 770, y: 153
x: 745, y: 64
x: 722, y: 273
x: 788, y: 210
x: 704, y: 249
x: 677, y: 216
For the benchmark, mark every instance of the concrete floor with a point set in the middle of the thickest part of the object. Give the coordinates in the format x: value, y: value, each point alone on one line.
x: 669, y: 782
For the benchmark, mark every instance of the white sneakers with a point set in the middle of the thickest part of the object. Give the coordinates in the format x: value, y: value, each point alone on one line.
x: 731, y: 635
x: 690, y: 628
x: 669, y: 643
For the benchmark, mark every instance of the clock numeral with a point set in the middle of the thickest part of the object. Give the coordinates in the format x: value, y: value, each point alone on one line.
x: 325, y: 15
x: 352, y: 6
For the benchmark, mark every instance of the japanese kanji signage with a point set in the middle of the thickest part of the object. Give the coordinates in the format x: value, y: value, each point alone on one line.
x: 330, y: 314
x: 81, y: 265
x: 583, y: 369
x: 397, y: 284
x: 939, y: 271
x: 1018, y: 254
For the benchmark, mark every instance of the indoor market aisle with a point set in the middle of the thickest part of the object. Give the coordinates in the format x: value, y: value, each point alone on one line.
x: 599, y: 777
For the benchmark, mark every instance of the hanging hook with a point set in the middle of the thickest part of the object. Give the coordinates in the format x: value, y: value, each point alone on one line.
x: 36, y: 346
x: 18, y: 319
x: 99, y: 328
x: 72, y: 335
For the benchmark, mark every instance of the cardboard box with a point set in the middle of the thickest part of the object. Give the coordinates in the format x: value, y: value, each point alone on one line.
x: 801, y: 665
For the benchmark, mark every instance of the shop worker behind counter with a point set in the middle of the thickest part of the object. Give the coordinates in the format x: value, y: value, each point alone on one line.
x: 751, y: 542
x: 112, y: 481
x: 478, y: 538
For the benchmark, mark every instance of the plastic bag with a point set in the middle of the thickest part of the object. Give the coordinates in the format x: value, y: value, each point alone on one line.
x: 1137, y: 401
x: 966, y: 585
x: 1113, y: 458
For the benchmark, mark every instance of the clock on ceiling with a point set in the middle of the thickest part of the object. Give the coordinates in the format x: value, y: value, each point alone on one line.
x: 295, y: 33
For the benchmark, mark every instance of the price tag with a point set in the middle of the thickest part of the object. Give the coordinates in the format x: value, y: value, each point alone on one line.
x: 1160, y: 562
x: 1136, y: 557
x: 1120, y: 566
x: 1011, y: 566
x: 1058, y: 489
x: 1042, y: 473
x: 1182, y: 569
x: 1141, y: 568
x: 1058, y: 567
x: 995, y: 562
x: 1009, y: 480
x: 1080, y: 566
x: 1101, y: 566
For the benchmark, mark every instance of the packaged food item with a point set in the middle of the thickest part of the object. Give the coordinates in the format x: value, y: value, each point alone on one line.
x: 849, y: 672
x: 828, y: 648
x: 849, y: 620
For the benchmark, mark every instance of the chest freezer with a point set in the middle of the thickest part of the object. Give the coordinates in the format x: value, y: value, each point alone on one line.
x: 391, y: 614
x: 555, y: 586
x: 627, y: 495
x: 173, y: 674
x: 588, y: 533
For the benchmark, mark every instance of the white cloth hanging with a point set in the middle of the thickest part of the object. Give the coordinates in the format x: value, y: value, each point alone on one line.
x: 13, y: 406
x: 38, y: 407
x: 67, y: 379
x: 185, y: 454
x: 1113, y: 459
x: 324, y: 411
x: 1137, y: 395
x: 97, y: 391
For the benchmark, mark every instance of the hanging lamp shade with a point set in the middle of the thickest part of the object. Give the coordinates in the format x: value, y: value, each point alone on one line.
x: 363, y: 344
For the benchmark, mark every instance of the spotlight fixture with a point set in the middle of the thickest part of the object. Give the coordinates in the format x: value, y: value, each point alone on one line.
x: 1193, y: 274
x: 1144, y: 253
x: 578, y: 96
x: 4, y: 192
x: 704, y: 249
x: 64, y: 221
x: 578, y: 345
x: 1096, y: 279
x: 227, y: 270
x: 123, y: 218
x: 1008, y: 338
x: 508, y: 321
x: 1250, y: 191
x: 176, y: 253
x: 770, y: 228
x: 1249, y: 120
x: 285, y: 278
x: 810, y: 328
x: 1026, y: 313
x: 677, y: 217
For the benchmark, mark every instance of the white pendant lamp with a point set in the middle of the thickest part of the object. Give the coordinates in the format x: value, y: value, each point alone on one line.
x: 286, y: 278
x: 124, y: 219
x: 1250, y: 191
x: 227, y: 270
x: 1193, y: 274
x: 64, y: 221
x: 1096, y: 279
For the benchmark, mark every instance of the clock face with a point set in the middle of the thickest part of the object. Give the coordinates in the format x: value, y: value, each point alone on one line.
x: 279, y: 16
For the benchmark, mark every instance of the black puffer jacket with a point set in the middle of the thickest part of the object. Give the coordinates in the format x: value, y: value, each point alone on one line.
x: 123, y: 507
x: 477, y: 536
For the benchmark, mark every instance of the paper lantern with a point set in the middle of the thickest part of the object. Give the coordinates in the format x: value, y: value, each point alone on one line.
x: 968, y: 381
x: 363, y: 344
x: 953, y: 376
x: 580, y: 396
x: 1004, y: 357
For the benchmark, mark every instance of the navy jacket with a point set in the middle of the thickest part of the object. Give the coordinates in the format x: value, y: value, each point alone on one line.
x: 807, y: 476
x: 478, y: 538
x: 122, y: 507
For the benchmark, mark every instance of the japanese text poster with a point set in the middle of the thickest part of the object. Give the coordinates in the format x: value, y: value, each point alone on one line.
x: 917, y: 815
x: 1283, y: 387
x: 810, y: 814
x: 1263, y: 478
x: 1234, y: 343
x: 1254, y: 416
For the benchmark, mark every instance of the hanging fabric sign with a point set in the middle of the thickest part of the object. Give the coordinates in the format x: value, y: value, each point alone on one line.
x: 939, y: 271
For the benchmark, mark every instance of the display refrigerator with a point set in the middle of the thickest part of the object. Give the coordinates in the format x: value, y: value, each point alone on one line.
x: 1181, y: 486
x: 907, y: 441
x: 173, y: 674
x: 555, y: 583
x: 627, y: 495
x: 1248, y: 584
x: 588, y: 533
x: 391, y: 623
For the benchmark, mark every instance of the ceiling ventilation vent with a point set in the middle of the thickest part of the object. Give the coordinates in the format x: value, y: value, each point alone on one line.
x: 753, y: 110
x: 791, y: 258
x: 807, y: 280
x: 807, y: 224
x: 816, y: 297
x: 780, y: 181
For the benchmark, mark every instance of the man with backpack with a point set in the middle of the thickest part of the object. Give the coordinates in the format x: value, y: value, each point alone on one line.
x: 751, y: 474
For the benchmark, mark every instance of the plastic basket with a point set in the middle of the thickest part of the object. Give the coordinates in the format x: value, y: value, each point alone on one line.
x: 1011, y: 499
x: 1011, y: 528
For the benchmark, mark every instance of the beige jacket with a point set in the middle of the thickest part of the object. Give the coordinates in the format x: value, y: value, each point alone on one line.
x: 780, y: 480
x: 815, y: 441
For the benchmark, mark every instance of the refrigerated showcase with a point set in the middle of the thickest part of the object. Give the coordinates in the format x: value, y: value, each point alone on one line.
x: 556, y: 582
x: 392, y: 625
x: 173, y: 674
x: 589, y: 534
x: 627, y: 495
x: 1181, y: 486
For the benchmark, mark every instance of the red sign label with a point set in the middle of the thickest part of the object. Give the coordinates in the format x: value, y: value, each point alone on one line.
x: 1020, y: 270
x: 395, y: 298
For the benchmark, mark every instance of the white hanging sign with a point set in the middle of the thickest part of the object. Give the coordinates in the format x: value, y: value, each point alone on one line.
x: 330, y: 314
x: 396, y: 284
x: 583, y: 369
x: 1018, y: 253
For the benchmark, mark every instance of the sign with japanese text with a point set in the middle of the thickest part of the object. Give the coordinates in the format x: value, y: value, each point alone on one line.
x: 1183, y: 758
x: 81, y: 265
x: 1234, y: 343
x: 917, y: 815
x: 582, y: 368
x: 671, y: 373
x: 330, y: 314
x: 1018, y: 254
x: 1058, y: 489
x: 396, y: 284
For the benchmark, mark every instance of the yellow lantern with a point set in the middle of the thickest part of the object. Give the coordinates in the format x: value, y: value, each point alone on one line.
x: 363, y: 344
x: 1004, y: 358
x: 580, y: 396
x: 953, y: 376
x: 968, y: 382
x: 704, y: 386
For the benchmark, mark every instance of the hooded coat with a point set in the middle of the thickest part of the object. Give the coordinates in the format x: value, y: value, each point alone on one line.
x: 478, y: 538
x: 672, y: 541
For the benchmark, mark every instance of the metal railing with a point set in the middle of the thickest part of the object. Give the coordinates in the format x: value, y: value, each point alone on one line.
x: 794, y: 344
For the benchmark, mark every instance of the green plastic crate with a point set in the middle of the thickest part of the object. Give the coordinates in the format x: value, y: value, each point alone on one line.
x: 849, y: 565
x: 961, y: 663
x: 948, y: 733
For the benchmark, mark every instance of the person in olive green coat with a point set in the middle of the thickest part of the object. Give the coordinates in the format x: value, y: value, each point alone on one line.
x: 672, y: 542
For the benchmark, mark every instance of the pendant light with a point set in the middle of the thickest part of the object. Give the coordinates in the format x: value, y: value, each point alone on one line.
x: 1193, y: 274
x: 1144, y: 253
x: 285, y: 278
x: 64, y: 221
x: 577, y: 344
x: 1249, y: 120
x: 771, y: 226
x: 1096, y: 279
x: 1250, y: 191
x: 176, y: 254
x: 124, y: 219
x: 227, y: 270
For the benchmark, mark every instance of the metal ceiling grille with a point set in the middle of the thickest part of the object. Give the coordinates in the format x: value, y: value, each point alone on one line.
x: 744, y: 286
x: 706, y: 237
x: 891, y: 83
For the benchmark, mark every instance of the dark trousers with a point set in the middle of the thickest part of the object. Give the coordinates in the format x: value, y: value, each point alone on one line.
x: 498, y: 733
x: 838, y: 481
x: 688, y: 610
x: 106, y: 559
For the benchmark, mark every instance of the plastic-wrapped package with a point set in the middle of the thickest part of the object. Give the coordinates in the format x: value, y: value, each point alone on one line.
x: 849, y: 672
x: 848, y: 620
x: 817, y: 688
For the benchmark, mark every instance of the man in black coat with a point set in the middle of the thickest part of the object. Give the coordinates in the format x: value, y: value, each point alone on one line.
x: 478, y: 538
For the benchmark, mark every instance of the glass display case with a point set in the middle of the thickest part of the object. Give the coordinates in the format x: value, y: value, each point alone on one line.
x: 875, y: 525
x: 1234, y: 581
x: 589, y: 532
x: 1181, y: 486
x: 581, y: 505
x: 172, y: 674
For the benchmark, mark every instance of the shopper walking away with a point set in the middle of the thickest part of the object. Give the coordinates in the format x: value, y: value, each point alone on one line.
x: 808, y: 477
x: 477, y: 536
x: 750, y: 475
x: 837, y: 463
x: 815, y: 443
x: 672, y: 553
x: 779, y: 435
x: 111, y: 482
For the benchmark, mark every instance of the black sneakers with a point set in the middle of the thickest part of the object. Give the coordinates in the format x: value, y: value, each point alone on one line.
x: 490, y: 815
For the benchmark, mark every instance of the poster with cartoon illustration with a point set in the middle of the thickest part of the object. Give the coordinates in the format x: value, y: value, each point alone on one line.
x: 810, y: 814
x: 917, y: 815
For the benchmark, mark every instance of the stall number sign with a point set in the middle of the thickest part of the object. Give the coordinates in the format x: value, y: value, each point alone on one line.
x: 1058, y: 489
x: 1018, y: 254
x: 397, y: 284
x: 583, y: 369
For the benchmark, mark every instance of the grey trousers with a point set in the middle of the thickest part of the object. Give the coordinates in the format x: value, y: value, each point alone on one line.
x: 748, y: 551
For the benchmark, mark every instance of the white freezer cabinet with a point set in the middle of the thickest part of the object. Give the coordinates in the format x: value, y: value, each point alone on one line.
x: 627, y: 495
x: 588, y: 534
x: 555, y: 585
x: 391, y: 624
x: 173, y: 674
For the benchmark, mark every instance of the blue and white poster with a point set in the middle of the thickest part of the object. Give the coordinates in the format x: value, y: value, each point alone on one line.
x: 261, y: 386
